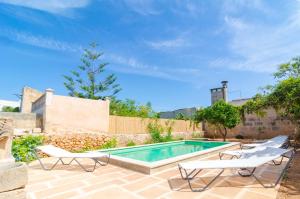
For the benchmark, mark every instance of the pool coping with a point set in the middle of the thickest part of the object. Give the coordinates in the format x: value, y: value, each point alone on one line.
x: 149, y: 167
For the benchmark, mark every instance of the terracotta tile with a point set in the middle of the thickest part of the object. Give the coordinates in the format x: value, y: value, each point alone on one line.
x: 43, y: 178
x: 168, y: 174
x: 101, y: 185
x: 115, y: 182
x: 251, y: 195
x: 184, y: 194
x: 227, y: 192
x: 205, y: 195
x: 103, y: 178
x: 57, y: 189
x: 153, y: 192
x: 137, y: 185
x: 111, y: 193
x: 65, y: 195
x: 72, y: 178
x: 133, y: 177
x: 36, y: 187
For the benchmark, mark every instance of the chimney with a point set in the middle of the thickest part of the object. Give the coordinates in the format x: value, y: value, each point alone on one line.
x: 219, y: 93
x: 224, y: 90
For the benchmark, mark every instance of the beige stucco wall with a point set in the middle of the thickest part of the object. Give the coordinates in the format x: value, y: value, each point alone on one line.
x: 64, y: 114
x: 136, y: 125
x: 20, y: 120
x: 29, y: 95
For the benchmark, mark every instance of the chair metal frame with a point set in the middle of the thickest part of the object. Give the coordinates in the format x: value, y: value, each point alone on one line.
x: 74, y: 159
x: 250, y: 172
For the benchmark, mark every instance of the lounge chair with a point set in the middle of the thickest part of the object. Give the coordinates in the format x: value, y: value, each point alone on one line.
x: 277, y: 142
x: 281, y: 139
x: 59, y: 153
x: 246, y: 165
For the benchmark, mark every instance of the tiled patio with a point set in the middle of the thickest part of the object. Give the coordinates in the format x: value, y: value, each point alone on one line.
x: 115, y: 182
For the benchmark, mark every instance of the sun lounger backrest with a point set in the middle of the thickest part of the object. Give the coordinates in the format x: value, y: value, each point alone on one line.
x: 265, y: 152
x: 275, y: 142
x: 279, y: 139
x: 53, y: 151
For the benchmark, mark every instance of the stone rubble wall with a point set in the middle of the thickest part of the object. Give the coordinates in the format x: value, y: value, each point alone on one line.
x: 139, y: 139
x: 76, y: 141
x: 256, y: 127
x: 89, y: 141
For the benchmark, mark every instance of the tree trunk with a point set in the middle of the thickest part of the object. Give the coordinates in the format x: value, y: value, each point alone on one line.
x: 297, y: 133
x: 224, y: 134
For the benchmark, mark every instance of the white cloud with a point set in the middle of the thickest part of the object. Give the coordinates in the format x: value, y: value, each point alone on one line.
x: 187, y: 8
x: 38, y: 41
x: 238, y: 6
x: 133, y: 66
x: 142, y: 7
x: 167, y: 44
x: 118, y: 63
x: 260, y: 47
x: 52, y: 6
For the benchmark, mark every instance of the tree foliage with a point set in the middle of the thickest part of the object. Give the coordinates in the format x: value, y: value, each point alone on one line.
x: 90, y: 80
x: 156, y: 130
x: 181, y: 116
x: 221, y: 114
x: 284, y: 96
x: 10, y: 109
x: 130, y: 108
x: 289, y: 69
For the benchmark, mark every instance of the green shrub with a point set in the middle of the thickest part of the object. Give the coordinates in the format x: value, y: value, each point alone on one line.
x: 22, y: 147
x: 155, y: 130
x: 10, y: 109
x: 239, y: 136
x: 131, y: 143
x: 112, y: 143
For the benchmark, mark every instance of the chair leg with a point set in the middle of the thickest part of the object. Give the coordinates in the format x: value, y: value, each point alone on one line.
x: 50, y: 168
x: 250, y: 172
x: 42, y: 164
x: 281, y: 174
x: 68, y: 162
x: 187, y: 176
x: 103, y: 163
x: 221, y: 155
x: 84, y: 168
x: 278, y: 163
x: 204, y: 187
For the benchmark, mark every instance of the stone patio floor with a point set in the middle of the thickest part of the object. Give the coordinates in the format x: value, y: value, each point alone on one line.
x: 114, y: 182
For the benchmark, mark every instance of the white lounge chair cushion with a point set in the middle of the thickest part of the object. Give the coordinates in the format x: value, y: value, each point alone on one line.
x: 277, y: 141
x: 61, y: 153
x: 239, y: 153
x: 256, y: 159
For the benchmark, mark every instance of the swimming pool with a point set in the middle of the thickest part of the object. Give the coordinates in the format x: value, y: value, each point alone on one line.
x: 162, y: 151
x: 155, y: 157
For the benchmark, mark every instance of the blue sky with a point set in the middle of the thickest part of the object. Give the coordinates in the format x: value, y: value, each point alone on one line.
x: 167, y: 52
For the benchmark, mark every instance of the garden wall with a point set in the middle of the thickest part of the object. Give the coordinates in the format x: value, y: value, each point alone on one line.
x: 136, y: 125
x: 29, y: 96
x: 255, y: 127
x: 64, y: 114
x: 26, y: 121
x: 90, y: 141
x: 77, y: 142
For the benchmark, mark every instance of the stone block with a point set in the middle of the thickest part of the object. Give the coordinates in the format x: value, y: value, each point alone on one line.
x: 12, y: 176
x: 14, y: 194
